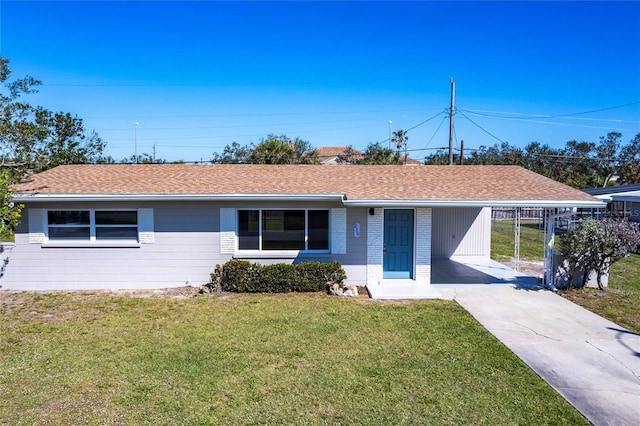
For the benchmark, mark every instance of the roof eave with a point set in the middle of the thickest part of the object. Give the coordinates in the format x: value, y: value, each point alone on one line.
x: 627, y: 198
x: 25, y: 198
x: 22, y: 198
x: 477, y: 203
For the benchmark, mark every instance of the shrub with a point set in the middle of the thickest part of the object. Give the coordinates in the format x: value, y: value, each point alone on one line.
x: 242, y: 276
x: 593, y: 246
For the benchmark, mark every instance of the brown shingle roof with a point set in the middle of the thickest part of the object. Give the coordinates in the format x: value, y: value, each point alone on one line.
x: 332, y: 151
x: 444, y: 183
x: 328, y: 153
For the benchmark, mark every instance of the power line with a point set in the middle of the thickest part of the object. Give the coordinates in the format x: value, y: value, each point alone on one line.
x: 417, y: 125
x: 480, y: 127
x: 570, y: 115
x: 531, y: 120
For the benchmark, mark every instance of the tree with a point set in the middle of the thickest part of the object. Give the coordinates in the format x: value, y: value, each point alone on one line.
x: 63, y: 141
x: 282, y: 150
x: 400, y: 138
x: 607, y: 154
x: 376, y: 154
x: 270, y: 150
x: 232, y: 154
x: 629, y: 162
x: 34, y: 139
x: 593, y: 246
x: 438, y: 158
x: 144, y: 158
x: 9, y: 211
x: 349, y: 156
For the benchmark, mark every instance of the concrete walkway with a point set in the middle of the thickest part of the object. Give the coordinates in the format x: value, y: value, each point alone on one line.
x: 592, y: 362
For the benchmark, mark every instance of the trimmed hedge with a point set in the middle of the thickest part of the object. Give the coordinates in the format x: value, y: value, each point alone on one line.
x: 242, y: 276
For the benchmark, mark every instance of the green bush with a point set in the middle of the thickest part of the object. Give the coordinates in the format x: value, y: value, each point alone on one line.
x: 242, y: 276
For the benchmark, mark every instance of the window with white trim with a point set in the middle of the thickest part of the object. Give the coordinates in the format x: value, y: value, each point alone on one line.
x: 283, y: 230
x: 92, y: 225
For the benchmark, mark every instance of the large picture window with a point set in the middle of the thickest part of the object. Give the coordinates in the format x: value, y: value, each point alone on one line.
x: 283, y: 230
x: 90, y: 225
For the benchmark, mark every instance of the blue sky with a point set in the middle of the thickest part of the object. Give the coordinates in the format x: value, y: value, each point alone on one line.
x: 197, y: 76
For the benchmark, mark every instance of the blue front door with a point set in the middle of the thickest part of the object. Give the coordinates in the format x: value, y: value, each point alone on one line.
x: 397, y: 258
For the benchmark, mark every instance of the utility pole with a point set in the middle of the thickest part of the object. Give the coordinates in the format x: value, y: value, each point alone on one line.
x: 451, y: 112
x: 154, y: 153
x: 462, y: 152
x: 390, y: 123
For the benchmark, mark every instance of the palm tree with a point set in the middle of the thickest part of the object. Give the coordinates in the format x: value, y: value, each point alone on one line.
x: 400, y: 138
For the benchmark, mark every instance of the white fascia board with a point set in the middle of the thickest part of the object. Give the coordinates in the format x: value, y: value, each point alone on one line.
x: 476, y: 203
x: 627, y: 198
x: 25, y: 198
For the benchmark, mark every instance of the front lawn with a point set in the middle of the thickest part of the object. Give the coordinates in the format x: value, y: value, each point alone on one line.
x: 98, y: 358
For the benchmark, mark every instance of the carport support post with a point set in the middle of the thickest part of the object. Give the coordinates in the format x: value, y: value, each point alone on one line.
x: 549, y: 241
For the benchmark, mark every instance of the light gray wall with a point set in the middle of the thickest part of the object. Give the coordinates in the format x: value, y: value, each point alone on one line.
x: 459, y: 231
x: 186, y: 250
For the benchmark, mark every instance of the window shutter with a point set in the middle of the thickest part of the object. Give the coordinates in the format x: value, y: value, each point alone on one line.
x: 339, y: 231
x: 227, y: 231
x: 145, y: 226
x: 37, y: 225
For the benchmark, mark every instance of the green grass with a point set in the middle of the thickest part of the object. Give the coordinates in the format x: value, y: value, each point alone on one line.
x: 502, y: 240
x: 271, y: 359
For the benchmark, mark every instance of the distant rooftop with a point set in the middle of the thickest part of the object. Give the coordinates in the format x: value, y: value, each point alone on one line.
x: 330, y: 154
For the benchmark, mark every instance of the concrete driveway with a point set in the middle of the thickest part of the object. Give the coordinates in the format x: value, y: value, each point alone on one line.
x: 592, y: 362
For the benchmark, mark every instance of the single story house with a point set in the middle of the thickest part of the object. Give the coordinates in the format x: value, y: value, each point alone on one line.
x: 631, y: 201
x: 168, y: 225
x: 619, y: 199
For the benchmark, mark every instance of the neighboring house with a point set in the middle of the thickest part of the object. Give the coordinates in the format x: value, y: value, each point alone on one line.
x: 329, y: 155
x: 617, y: 199
x: 631, y: 202
x: 167, y: 225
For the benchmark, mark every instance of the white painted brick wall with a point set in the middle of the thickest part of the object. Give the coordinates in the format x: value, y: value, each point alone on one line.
x: 375, y: 236
x: 227, y: 231
x: 423, y: 245
x: 146, y: 228
x: 339, y: 231
x: 37, y: 222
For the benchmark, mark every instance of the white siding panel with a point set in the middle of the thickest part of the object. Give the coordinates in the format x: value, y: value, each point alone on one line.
x: 338, y: 231
x: 145, y: 226
x: 461, y: 232
x: 37, y: 223
x: 228, y: 238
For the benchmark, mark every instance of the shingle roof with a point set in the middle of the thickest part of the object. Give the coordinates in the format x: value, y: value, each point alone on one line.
x: 442, y: 183
x: 328, y: 154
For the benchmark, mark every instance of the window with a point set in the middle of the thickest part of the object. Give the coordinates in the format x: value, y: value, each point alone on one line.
x: 92, y: 225
x: 283, y: 230
x: 69, y: 225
